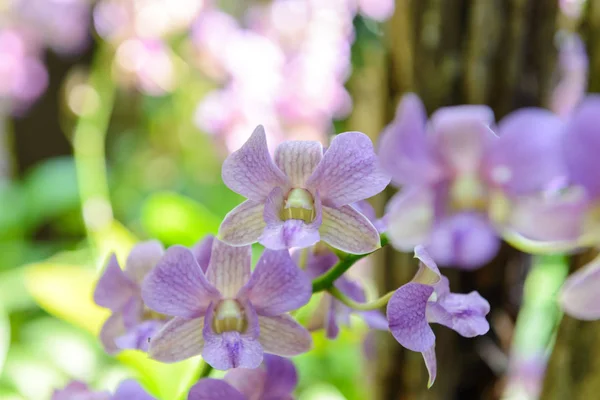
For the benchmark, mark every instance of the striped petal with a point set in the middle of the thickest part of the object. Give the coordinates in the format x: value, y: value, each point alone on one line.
x: 349, y: 171
x: 283, y: 336
x: 179, y: 339
x: 243, y: 225
x: 250, y: 171
x: 229, y: 268
x: 298, y: 160
x: 348, y: 230
x: 177, y: 286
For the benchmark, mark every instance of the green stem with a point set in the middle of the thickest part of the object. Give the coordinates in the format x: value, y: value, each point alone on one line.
x: 202, y: 371
x: 325, y: 281
x: 371, y: 305
x: 89, y: 146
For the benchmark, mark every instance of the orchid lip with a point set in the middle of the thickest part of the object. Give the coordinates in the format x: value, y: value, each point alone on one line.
x: 229, y: 317
x: 299, y: 205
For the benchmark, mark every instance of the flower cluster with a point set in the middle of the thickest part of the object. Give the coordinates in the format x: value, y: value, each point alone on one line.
x: 466, y: 182
x: 461, y: 175
x: 282, y: 64
x: 27, y: 28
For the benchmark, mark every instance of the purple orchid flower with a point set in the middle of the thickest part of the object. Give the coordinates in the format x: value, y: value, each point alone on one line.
x: 275, y: 380
x: 229, y: 315
x: 459, y: 176
x: 332, y: 313
x: 305, y: 195
x: 427, y: 299
x: 127, y: 390
x: 131, y: 323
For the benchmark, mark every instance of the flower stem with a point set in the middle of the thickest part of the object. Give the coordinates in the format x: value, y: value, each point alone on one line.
x: 89, y: 147
x: 325, y: 281
x: 371, y: 305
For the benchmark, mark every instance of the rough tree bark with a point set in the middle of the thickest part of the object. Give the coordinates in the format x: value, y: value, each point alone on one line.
x: 497, y: 52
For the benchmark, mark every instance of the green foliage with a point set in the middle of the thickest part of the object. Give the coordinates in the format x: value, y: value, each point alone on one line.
x: 173, y: 218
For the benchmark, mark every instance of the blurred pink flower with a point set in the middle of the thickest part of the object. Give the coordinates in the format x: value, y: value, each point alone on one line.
x: 23, y: 77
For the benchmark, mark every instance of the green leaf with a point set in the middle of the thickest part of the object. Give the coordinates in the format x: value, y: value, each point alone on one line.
x: 173, y: 218
x: 4, y: 338
x: 46, y: 199
x: 65, y: 291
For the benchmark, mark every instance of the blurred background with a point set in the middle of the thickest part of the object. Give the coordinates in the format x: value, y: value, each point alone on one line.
x: 115, y: 117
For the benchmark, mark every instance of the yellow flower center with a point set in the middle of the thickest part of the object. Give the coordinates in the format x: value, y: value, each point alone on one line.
x: 299, y: 205
x: 229, y: 316
x: 468, y: 193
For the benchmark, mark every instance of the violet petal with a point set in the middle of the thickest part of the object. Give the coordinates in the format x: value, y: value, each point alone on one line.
x: 177, y: 286
x: 250, y: 171
x: 180, y: 338
x: 349, y: 171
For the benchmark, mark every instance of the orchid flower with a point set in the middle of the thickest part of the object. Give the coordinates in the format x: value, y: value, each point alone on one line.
x: 229, y: 315
x: 458, y: 177
x: 427, y: 299
x: 305, y: 195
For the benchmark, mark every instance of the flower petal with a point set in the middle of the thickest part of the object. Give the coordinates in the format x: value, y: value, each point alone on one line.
x: 316, y: 261
x: 139, y: 336
x: 348, y: 230
x: 528, y: 154
x: 549, y: 218
x: 283, y: 336
x: 431, y: 364
x: 581, y: 144
x: 332, y: 327
x: 404, y: 149
x: 202, y: 250
x: 214, y: 389
x: 428, y: 272
x: 114, y: 288
x: 374, y: 320
x: 464, y: 240
x: 464, y: 313
x: 142, y: 258
x: 243, y: 225
x: 177, y: 286
x: 462, y: 135
x: 229, y: 268
x: 232, y: 349
x: 406, y: 316
x: 179, y: 339
x: 113, y: 328
x: 409, y: 216
x: 249, y: 382
x: 279, y: 234
x: 250, y: 171
x: 282, y: 377
x: 579, y: 296
x: 298, y: 160
x: 277, y: 285
x: 349, y: 171
x: 131, y: 390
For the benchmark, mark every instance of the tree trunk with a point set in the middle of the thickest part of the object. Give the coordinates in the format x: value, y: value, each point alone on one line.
x: 495, y: 52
